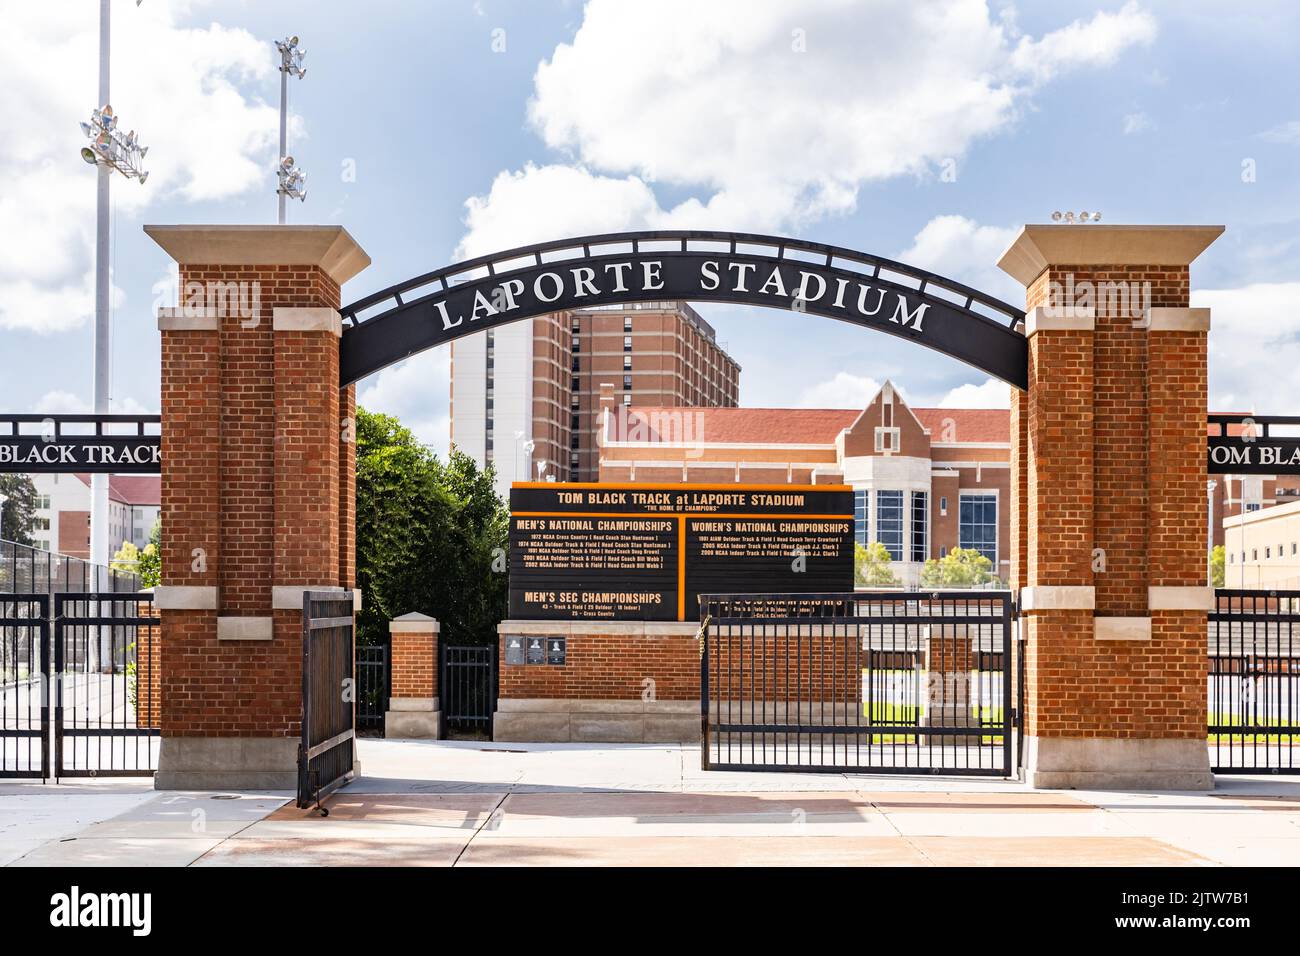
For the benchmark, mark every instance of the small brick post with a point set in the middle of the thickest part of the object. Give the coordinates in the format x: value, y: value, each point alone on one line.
x: 256, y: 466
x: 1109, y: 531
x: 413, y: 709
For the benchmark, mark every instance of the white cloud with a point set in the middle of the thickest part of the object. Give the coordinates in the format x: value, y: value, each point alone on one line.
x: 60, y: 402
x: 1136, y: 123
x: 718, y: 99
x: 208, y: 138
x: 962, y: 249
x: 1288, y: 132
x: 417, y: 392
x: 1254, y: 347
x: 991, y: 394
x: 844, y: 390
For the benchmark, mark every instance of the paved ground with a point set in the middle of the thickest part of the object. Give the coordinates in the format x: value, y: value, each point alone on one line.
x: 442, y: 804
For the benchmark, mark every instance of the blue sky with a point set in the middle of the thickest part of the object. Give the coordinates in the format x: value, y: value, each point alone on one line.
x: 475, y: 126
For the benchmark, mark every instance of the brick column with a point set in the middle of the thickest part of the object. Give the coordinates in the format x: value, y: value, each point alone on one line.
x: 1110, y: 438
x: 252, y: 476
x: 413, y: 709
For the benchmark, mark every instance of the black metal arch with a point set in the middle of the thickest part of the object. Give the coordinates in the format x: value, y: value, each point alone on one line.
x: 740, y: 268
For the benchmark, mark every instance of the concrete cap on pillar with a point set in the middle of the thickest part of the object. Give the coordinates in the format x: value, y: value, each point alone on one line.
x: 413, y: 623
x: 1101, y: 244
x: 330, y: 248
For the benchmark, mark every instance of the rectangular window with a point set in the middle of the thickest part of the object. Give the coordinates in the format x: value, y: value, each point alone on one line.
x: 627, y: 323
x: 573, y: 422
x: 887, y: 439
x: 627, y: 363
x: 943, y: 506
x: 860, y: 526
x: 627, y: 383
x: 627, y: 343
x: 978, y: 525
x: 575, y: 385
x: 577, y: 344
x: 627, y: 399
x: 575, y: 364
x: 920, y: 525
x: 1252, y: 506
x: 889, y: 522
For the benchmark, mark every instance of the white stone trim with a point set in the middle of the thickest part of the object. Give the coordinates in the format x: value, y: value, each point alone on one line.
x: 1058, y: 597
x: 289, y: 597
x: 1067, y: 318
x: 185, y: 597
x: 413, y: 623
x: 1164, y: 319
x: 413, y: 704
x: 1166, y: 598
x: 188, y: 319
x: 245, y: 628
x: 1122, y: 628
x: 306, y: 319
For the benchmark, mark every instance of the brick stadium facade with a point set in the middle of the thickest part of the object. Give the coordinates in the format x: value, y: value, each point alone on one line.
x: 925, y: 480
x: 1107, y: 538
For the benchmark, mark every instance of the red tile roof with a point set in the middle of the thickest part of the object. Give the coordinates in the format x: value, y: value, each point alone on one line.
x: 132, y: 489
x: 792, y: 426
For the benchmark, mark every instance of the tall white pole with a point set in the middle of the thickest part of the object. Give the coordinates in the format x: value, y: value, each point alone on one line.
x: 1209, y: 528
x: 99, y: 544
x: 284, y: 132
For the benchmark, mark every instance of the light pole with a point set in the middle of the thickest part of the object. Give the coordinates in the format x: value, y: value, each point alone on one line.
x: 1209, y: 528
x: 291, y: 180
x: 109, y: 150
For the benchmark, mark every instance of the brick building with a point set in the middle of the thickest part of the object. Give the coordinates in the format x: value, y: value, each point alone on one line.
x: 925, y: 480
x: 525, y: 397
x: 63, y: 511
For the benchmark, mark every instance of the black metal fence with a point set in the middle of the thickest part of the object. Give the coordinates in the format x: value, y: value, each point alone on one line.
x: 326, y: 755
x: 372, y: 688
x: 24, y: 685
x: 880, y: 682
x: 107, y: 700
x: 28, y: 570
x: 467, y: 688
x: 1254, y: 682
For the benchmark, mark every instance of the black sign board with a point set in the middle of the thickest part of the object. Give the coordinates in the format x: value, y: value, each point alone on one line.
x: 1246, y: 445
x: 534, y: 650
x: 514, y: 649
x: 555, y: 651
x: 616, y: 269
x: 1260, y: 456
x: 645, y: 552
x: 41, y: 444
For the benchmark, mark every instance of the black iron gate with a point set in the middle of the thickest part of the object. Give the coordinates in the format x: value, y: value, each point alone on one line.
x: 24, y: 684
x: 326, y: 755
x: 467, y: 685
x: 879, y: 682
x: 107, y: 692
x: 1254, y: 682
x: 372, y: 687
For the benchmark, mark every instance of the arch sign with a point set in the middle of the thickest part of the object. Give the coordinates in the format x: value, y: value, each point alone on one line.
x: 744, y: 269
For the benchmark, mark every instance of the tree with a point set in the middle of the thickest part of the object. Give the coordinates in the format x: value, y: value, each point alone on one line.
x: 959, y: 568
x: 146, y: 563
x: 19, y: 508
x: 1217, y: 558
x: 871, y: 566
x: 431, y: 536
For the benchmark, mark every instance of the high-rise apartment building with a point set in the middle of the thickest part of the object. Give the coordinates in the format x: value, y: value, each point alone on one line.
x: 526, y: 397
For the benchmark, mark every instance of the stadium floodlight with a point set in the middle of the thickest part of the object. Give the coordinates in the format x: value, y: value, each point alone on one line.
x: 111, y: 148
x: 290, y: 178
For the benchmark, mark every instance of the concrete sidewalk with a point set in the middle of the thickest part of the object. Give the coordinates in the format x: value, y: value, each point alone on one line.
x: 460, y: 803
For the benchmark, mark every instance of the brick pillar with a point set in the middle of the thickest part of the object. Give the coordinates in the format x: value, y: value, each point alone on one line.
x: 413, y: 658
x: 252, y: 479
x: 1110, y: 440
